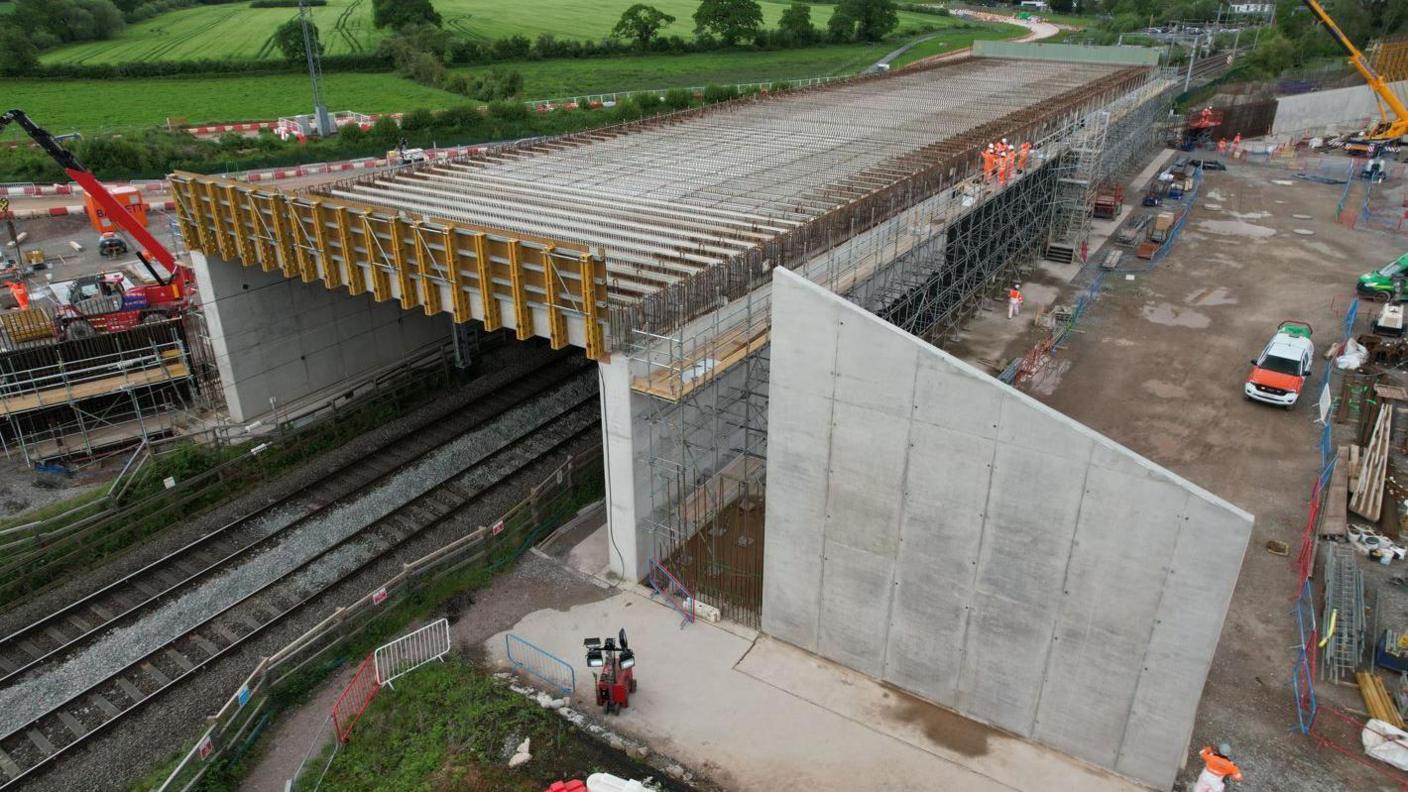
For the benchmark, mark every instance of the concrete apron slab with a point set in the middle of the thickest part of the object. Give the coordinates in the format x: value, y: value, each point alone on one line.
x: 754, y: 713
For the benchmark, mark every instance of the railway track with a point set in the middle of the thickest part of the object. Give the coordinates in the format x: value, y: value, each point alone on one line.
x: 41, y: 640
x: 551, y: 406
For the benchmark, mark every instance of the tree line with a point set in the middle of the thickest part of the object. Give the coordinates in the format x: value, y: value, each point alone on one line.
x: 718, y: 24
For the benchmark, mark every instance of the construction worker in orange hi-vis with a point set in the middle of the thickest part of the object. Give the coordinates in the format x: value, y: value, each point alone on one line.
x: 1012, y: 161
x: 1014, y: 300
x: 989, y: 163
x: 1026, y: 151
x: 1217, y: 768
x: 1001, y: 169
x: 1236, y: 142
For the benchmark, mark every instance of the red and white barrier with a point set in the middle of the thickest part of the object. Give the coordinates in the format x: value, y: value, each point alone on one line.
x: 65, y: 211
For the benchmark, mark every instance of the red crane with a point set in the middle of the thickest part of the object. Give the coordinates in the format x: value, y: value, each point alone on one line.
x: 166, y: 299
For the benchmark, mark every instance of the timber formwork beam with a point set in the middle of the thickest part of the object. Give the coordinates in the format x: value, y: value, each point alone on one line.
x: 534, y: 285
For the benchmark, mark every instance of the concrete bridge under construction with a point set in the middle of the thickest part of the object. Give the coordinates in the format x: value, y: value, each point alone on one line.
x: 655, y: 247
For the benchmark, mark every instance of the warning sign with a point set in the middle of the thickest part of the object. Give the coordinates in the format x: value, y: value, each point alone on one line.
x: 498, y: 528
x: 243, y: 695
x: 206, y: 748
x: 379, y: 596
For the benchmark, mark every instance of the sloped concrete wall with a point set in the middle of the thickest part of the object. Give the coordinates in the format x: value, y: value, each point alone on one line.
x: 1336, y: 109
x: 936, y: 529
x: 281, y: 338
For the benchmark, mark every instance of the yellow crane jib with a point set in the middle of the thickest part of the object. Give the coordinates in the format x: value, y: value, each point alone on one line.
x: 1393, y: 123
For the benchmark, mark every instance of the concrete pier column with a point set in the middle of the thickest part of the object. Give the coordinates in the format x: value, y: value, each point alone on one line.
x: 625, y: 444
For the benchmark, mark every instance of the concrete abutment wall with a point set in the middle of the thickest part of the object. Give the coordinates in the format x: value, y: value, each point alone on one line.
x: 280, y: 338
x: 938, y: 530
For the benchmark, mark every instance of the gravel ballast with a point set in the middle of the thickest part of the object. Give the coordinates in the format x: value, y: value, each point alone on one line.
x: 44, y: 689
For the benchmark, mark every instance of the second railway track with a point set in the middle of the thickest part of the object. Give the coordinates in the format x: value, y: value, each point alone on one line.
x: 35, y: 735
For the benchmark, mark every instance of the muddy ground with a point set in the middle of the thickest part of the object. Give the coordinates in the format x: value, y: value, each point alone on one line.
x: 1158, y: 364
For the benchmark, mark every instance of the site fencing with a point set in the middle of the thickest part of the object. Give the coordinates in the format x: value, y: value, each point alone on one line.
x: 541, y: 664
x: 484, y: 551
x: 409, y: 652
x: 355, y: 698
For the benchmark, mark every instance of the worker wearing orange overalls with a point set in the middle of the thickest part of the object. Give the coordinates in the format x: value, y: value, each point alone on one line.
x: 1022, y: 157
x: 1014, y: 300
x: 1217, y: 768
x: 1236, y: 143
x: 1012, y: 161
x: 1002, y: 169
x: 989, y: 163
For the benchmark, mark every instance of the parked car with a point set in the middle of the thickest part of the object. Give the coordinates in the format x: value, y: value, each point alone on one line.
x: 1278, y: 374
x: 1381, y: 284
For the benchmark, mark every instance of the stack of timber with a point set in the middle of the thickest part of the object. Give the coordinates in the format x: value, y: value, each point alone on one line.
x: 1369, y: 494
x: 1377, y: 699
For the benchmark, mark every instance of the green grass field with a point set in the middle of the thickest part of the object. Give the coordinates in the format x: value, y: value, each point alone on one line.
x: 237, y: 31
x: 559, y: 79
x: 113, y: 105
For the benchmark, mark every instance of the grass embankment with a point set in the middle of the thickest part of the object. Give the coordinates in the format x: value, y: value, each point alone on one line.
x: 451, y: 726
x: 944, y: 43
x: 237, y: 31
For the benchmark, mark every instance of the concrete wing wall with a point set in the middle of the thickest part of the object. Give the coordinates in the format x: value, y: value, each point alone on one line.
x: 936, y: 529
x: 1345, y: 109
x: 285, y: 339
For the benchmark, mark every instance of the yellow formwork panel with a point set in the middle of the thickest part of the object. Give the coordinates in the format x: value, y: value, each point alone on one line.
x: 362, y: 248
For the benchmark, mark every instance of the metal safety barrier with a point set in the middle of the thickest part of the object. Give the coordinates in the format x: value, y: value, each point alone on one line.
x: 547, y: 667
x: 409, y: 652
x: 668, y: 586
x: 354, y: 699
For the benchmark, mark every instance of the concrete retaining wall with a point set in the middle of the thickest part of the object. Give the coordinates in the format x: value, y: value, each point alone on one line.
x: 286, y: 339
x: 1340, y: 109
x: 936, y: 529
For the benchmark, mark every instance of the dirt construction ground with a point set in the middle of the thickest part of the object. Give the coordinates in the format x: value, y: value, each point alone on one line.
x: 1158, y: 364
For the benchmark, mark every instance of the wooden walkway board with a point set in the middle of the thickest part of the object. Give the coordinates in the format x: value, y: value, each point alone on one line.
x: 726, y: 350
x: 50, y: 397
x: 1335, y: 517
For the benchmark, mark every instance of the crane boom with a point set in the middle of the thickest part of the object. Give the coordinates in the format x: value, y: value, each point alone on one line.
x: 1388, y: 128
x: 99, y: 193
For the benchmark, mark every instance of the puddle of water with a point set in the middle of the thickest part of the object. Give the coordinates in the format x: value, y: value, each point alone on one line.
x: 1171, y: 315
x: 1211, y: 296
x: 1239, y: 228
x: 1165, y: 390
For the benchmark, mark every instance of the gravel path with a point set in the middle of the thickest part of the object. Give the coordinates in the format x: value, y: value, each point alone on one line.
x: 41, y: 690
x: 500, y: 365
x: 114, y: 761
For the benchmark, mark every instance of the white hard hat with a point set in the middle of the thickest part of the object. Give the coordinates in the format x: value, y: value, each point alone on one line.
x: 1004, y: 140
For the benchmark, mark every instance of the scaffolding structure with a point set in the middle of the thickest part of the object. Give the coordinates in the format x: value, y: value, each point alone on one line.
x: 84, y: 405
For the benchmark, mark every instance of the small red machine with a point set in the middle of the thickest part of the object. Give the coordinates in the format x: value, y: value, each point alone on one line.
x: 617, y: 680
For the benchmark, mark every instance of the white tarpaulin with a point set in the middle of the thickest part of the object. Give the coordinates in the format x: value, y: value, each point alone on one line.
x: 1386, y: 743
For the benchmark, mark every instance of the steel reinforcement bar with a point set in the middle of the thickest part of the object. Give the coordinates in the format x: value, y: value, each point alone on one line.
x: 929, y: 170
x: 537, y: 286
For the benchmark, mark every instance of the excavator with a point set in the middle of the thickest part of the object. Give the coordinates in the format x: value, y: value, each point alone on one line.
x: 123, y: 309
x: 1388, y: 130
